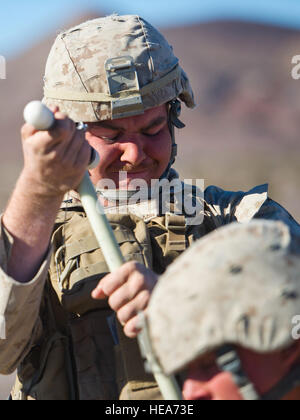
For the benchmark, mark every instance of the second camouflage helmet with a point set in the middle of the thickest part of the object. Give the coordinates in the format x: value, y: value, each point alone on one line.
x: 238, y: 285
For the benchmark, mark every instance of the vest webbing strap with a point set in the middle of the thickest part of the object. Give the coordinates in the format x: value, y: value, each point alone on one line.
x: 176, y: 226
x: 89, y: 244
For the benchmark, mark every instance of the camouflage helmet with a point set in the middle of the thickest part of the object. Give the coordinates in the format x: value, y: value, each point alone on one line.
x: 113, y: 67
x: 238, y: 285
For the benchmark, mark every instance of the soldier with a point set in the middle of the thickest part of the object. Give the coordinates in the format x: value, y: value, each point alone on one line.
x: 120, y: 76
x: 233, y: 329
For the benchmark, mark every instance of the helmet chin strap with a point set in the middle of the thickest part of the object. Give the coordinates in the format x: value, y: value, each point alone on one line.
x: 174, y: 111
x: 229, y: 361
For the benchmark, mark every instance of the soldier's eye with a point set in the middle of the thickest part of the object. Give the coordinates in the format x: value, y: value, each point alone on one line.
x: 152, y: 134
x: 109, y: 139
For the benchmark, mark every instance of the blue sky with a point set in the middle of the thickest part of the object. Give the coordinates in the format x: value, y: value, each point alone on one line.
x: 23, y: 22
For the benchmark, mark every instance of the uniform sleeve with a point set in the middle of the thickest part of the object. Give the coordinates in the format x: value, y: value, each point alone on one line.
x: 224, y: 207
x: 228, y: 206
x: 20, y: 325
x: 273, y: 211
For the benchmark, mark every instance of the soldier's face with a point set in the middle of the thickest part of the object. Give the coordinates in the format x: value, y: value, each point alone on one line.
x: 139, y: 145
x: 205, y: 381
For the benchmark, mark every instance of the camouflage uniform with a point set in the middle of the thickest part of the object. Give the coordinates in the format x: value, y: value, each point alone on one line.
x: 65, y: 344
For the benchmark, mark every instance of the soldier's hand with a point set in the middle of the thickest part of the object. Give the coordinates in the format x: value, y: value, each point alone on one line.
x: 128, y: 289
x: 55, y: 160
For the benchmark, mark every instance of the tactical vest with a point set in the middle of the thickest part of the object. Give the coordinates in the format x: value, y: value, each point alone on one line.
x: 83, y: 353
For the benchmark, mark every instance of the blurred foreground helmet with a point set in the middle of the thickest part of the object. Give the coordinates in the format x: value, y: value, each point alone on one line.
x: 239, y: 285
x: 113, y: 67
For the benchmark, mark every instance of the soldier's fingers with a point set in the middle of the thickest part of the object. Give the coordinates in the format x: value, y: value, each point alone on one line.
x: 84, y: 155
x: 131, y: 309
x: 98, y: 293
x: 47, y: 141
x: 108, y: 284
x: 58, y: 115
x: 63, y: 130
x: 128, y: 291
x: 40, y: 141
x: 114, y: 280
x: 131, y: 328
x: 27, y: 130
x: 74, y: 147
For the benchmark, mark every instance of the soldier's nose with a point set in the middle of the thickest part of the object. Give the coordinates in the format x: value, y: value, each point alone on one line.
x: 133, y: 153
x: 196, y: 390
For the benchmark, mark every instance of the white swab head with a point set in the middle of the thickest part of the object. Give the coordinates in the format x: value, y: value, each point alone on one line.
x: 38, y: 115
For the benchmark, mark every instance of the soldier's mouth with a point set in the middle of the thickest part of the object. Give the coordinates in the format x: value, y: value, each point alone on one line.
x: 134, y: 171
